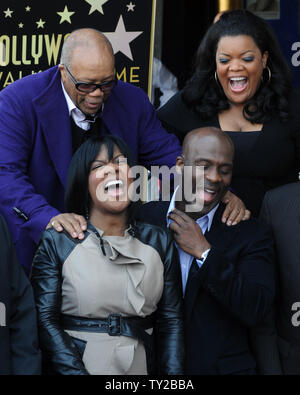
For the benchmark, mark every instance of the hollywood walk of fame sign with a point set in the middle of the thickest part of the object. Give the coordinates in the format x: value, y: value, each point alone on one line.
x: 32, y: 33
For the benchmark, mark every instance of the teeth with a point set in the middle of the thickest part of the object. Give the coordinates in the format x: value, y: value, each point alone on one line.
x: 238, y: 78
x: 113, y: 183
x: 209, y: 190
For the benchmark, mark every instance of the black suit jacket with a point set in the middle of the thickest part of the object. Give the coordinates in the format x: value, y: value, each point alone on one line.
x: 277, y: 341
x: 232, y: 292
x: 19, y: 353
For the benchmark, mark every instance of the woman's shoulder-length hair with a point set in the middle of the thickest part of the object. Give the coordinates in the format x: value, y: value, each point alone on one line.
x: 203, y: 93
x: 77, y: 194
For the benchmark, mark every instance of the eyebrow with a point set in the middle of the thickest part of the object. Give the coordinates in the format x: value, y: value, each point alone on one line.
x: 243, y: 53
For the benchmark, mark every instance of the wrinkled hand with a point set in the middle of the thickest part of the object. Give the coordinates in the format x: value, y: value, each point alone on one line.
x: 235, y: 210
x: 74, y: 224
x: 188, y: 234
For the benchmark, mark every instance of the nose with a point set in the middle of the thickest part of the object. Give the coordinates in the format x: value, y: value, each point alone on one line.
x: 96, y: 93
x: 213, y: 175
x: 111, y: 169
x: 235, y: 65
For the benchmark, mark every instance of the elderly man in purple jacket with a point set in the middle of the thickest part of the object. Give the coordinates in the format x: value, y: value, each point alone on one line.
x: 42, y: 122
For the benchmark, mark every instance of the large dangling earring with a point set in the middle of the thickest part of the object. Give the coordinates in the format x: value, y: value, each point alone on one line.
x: 217, y: 80
x: 269, y: 75
x: 216, y: 77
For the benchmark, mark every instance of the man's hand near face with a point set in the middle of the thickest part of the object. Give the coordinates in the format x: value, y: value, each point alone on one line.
x: 187, y: 234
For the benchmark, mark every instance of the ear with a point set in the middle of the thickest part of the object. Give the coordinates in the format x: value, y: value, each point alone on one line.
x: 265, y: 58
x: 63, y: 74
x: 61, y: 68
x: 179, y: 164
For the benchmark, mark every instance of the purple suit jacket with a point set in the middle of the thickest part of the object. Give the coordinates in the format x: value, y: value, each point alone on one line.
x: 36, y: 149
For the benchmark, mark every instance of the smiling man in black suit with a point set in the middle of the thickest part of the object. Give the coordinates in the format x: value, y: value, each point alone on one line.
x: 227, y: 272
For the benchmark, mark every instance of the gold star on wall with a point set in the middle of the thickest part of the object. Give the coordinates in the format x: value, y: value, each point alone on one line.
x: 40, y: 23
x: 21, y: 25
x: 96, y: 5
x: 8, y: 13
x: 27, y: 8
x: 65, y: 15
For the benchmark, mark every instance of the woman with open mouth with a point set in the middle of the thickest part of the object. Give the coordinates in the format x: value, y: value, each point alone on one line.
x: 111, y: 302
x: 242, y: 85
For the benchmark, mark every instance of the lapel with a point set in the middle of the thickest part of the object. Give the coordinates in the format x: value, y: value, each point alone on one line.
x: 52, y: 113
x: 220, y: 237
x: 110, y: 118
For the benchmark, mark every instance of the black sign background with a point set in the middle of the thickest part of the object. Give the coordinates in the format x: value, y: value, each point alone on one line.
x: 32, y: 33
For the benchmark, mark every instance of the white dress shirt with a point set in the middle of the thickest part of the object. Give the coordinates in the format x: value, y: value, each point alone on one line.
x: 186, y: 259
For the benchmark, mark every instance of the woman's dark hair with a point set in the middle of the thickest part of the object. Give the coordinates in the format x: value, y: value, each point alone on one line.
x: 204, y: 95
x: 77, y: 198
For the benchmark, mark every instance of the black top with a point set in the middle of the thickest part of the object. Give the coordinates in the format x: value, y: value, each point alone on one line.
x: 79, y: 135
x: 263, y: 160
x: 19, y: 352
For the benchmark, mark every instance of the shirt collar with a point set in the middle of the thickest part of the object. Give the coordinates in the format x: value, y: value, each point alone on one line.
x: 80, y: 116
x: 70, y: 104
x: 210, y: 214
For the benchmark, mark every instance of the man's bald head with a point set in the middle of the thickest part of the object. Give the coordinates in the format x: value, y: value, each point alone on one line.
x: 196, y: 137
x: 84, y: 39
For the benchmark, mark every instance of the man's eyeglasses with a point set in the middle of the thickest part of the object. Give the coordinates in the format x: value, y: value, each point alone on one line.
x: 87, y: 87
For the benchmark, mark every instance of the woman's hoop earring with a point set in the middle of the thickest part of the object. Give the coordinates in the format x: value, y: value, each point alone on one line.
x: 216, y: 77
x: 269, y: 75
x: 217, y: 80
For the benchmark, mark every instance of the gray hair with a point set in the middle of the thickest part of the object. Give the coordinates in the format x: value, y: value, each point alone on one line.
x: 81, y: 38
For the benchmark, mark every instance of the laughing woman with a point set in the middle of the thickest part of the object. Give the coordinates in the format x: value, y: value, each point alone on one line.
x: 241, y: 85
x: 110, y: 303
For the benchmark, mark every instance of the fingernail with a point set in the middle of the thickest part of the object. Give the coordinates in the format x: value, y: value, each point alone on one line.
x: 81, y: 235
x: 83, y: 227
x: 234, y: 223
x: 74, y: 234
x: 229, y: 223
